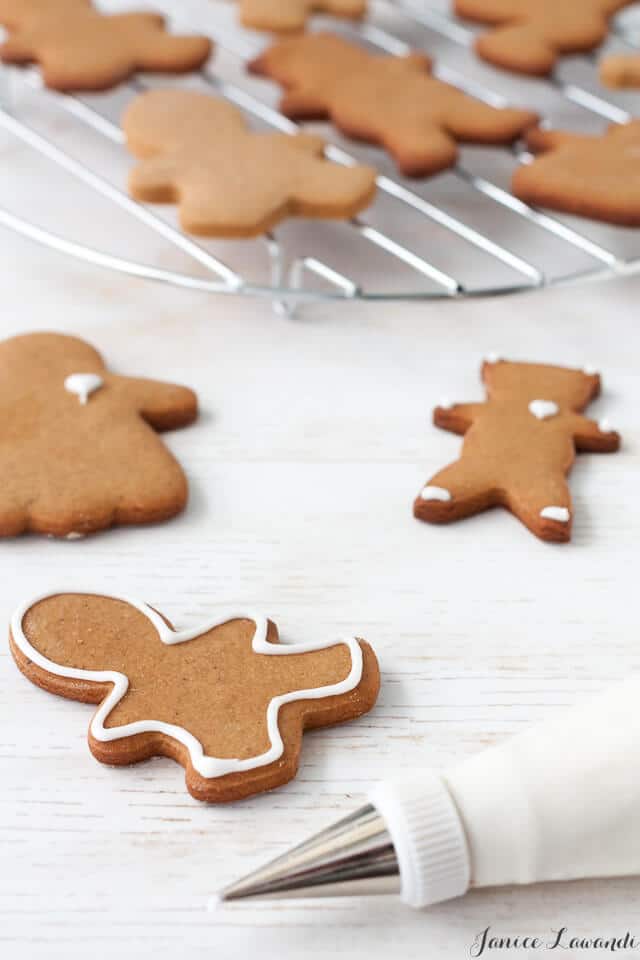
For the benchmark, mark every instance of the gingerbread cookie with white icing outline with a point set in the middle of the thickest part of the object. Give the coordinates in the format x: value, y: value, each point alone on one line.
x: 528, y: 36
x: 79, y: 450
x: 518, y: 447
x: 78, y: 48
x: 290, y: 16
x: 587, y: 176
x: 226, y: 699
x: 393, y: 101
x: 196, y: 151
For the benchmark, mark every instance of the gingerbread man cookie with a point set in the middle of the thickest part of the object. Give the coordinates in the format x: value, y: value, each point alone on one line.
x: 528, y: 36
x: 226, y: 700
x: 228, y: 181
x: 621, y: 70
x: 79, y: 48
x: 518, y: 447
x: 78, y: 447
x: 597, y: 177
x: 288, y: 16
x: 392, y: 101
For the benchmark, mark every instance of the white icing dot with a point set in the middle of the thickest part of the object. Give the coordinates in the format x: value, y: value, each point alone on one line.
x: 543, y: 409
x: 445, y: 403
x: 604, y: 426
x: 74, y: 535
x: 590, y: 370
x: 493, y: 358
x: 83, y: 384
x: 436, y: 493
x: 561, y: 514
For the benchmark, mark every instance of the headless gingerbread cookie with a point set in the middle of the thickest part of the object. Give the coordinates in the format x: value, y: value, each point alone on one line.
x: 530, y: 35
x: 226, y: 700
x: 78, y: 48
x: 392, y: 101
x: 287, y: 16
x: 78, y: 447
x: 597, y: 177
x: 518, y: 447
x: 227, y: 180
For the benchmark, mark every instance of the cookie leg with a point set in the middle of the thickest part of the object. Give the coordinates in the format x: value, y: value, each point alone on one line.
x: 545, y: 510
x: 519, y: 48
x: 452, y: 494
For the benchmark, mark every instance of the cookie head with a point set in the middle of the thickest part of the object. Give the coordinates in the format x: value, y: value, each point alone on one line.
x: 569, y: 389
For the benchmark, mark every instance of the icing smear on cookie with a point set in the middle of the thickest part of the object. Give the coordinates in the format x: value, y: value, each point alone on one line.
x: 83, y: 385
x: 206, y: 766
x: 560, y: 514
x: 544, y: 409
x: 435, y: 493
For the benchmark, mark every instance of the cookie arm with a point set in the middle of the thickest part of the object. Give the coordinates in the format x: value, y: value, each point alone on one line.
x: 154, y: 180
x: 590, y: 437
x: 541, y: 141
x: 470, y: 120
x: 164, y: 406
x: 18, y: 48
x: 620, y: 70
x: 457, y: 418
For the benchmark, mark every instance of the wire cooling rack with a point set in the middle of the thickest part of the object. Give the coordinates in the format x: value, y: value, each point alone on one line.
x: 461, y: 233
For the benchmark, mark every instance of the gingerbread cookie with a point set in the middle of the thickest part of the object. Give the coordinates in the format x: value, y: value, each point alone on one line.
x: 226, y: 700
x: 621, y: 70
x: 392, y: 101
x: 518, y: 447
x: 597, y: 177
x: 79, y: 49
x: 528, y: 36
x: 288, y: 16
x: 228, y: 181
x: 78, y: 449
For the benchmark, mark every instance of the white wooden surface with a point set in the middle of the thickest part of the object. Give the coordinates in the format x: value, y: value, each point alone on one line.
x: 314, y: 438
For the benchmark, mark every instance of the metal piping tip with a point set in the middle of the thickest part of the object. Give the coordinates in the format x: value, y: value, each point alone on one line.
x: 354, y: 856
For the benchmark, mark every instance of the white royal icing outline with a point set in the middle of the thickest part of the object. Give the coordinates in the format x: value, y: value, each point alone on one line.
x: 207, y: 766
x: 544, y: 409
x: 83, y: 385
x: 560, y: 514
x: 435, y: 493
x: 604, y: 426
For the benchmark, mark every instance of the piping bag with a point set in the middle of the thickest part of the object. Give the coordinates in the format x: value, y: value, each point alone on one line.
x: 558, y: 802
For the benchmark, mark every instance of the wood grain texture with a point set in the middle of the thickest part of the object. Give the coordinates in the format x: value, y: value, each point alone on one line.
x: 313, y: 439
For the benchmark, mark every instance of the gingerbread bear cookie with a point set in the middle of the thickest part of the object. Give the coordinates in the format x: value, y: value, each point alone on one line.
x: 621, y: 70
x: 597, y: 177
x: 288, y: 16
x: 79, y: 48
x: 389, y: 100
x: 78, y: 449
x: 518, y: 447
x: 226, y: 700
x: 197, y: 152
x: 528, y: 36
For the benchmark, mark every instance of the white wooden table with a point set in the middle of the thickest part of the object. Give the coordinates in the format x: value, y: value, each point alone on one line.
x: 314, y: 438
